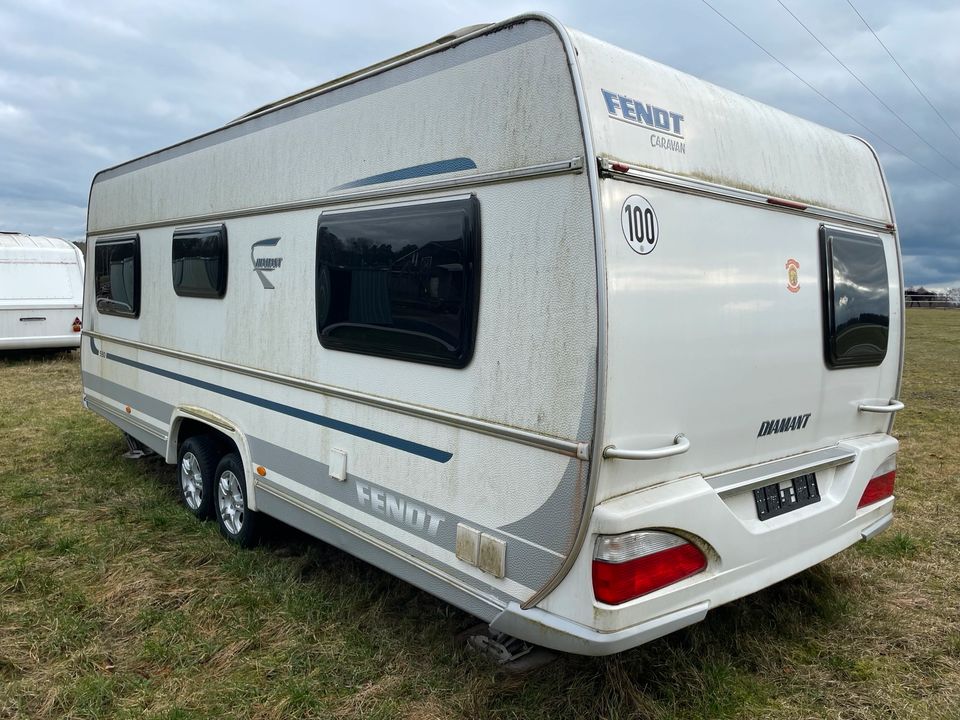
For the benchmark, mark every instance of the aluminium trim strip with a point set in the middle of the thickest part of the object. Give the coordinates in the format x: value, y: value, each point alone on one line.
x: 693, y: 186
x: 571, y: 448
x: 376, y: 69
x: 599, y: 410
x: 896, y: 244
x: 755, y: 476
x: 559, y: 167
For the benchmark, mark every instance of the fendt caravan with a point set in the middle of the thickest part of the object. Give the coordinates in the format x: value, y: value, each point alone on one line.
x: 41, y: 292
x: 579, y: 343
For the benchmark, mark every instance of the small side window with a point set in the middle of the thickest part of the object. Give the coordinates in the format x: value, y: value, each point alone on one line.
x: 401, y: 281
x: 856, y: 298
x: 200, y: 262
x: 117, y: 276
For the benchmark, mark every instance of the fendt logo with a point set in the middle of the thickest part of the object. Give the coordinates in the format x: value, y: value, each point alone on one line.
x: 666, y: 125
x: 263, y: 265
x: 398, y: 510
x: 650, y: 116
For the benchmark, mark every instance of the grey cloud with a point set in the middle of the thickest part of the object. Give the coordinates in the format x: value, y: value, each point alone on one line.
x: 87, y: 85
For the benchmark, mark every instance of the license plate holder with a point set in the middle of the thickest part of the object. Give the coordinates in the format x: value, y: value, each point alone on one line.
x: 782, y: 497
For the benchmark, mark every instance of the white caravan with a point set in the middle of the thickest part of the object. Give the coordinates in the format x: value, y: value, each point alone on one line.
x: 41, y: 292
x: 579, y: 343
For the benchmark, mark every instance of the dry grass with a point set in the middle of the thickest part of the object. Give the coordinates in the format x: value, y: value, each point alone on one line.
x: 114, y: 602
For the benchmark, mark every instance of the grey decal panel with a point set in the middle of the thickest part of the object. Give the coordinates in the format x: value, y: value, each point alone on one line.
x: 554, y: 524
x: 527, y: 564
x: 157, y: 409
x: 152, y: 441
x: 316, y: 526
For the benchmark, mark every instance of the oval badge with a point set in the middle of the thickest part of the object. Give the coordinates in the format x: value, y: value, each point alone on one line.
x: 793, y: 275
x: 639, y: 223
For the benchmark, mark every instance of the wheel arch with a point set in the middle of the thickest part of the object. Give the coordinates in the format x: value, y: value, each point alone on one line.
x: 190, y: 421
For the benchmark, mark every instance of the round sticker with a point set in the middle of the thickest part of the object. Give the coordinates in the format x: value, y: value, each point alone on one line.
x: 639, y: 223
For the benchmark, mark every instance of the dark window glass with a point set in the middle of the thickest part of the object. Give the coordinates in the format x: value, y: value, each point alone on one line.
x: 117, y: 276
x: 200, y: 262
x: 857, y: 299
x: 400, y: 282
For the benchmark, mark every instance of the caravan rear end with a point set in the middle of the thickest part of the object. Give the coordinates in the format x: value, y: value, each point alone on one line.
x: 41, y: 292
x: 752, y: 353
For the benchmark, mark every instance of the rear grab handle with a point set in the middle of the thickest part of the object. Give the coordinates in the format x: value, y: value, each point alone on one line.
x: 892, y: 407
x: 680, y: 445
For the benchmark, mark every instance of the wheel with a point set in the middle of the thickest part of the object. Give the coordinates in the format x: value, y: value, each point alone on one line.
x: 238, y: 523
x: 198, y: 466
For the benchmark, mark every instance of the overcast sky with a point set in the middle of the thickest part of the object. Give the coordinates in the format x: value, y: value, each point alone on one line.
x: 86, y: 85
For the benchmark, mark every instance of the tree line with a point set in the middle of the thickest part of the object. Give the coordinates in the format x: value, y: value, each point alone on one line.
x: 921, y: 297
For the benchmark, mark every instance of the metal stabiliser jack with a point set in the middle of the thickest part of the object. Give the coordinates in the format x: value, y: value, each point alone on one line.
x: 508, y: 652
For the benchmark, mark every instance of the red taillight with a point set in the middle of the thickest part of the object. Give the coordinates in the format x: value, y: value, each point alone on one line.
x: 880, y: 486
x: 628, y: 566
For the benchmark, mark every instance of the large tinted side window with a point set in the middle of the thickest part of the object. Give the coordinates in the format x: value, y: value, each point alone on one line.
x: 117, y: 276
x: 856, y: 299
x: 401, y: 281
x: 200, y: 262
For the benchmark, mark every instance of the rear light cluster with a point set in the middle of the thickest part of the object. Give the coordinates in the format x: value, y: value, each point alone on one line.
x: 628, y: 566
x: 880, y: 486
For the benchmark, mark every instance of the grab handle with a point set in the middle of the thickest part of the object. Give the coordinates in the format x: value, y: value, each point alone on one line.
x: 680, y: 446
x: 894, y: 406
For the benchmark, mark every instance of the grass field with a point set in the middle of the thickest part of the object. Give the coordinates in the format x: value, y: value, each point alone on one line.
x: 114, y: 602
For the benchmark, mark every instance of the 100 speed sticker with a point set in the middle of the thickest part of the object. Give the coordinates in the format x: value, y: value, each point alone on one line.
x: 640, y: 226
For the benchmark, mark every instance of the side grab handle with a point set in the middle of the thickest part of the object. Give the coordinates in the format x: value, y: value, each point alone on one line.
x: 680, y: 446
x: 894, y: 406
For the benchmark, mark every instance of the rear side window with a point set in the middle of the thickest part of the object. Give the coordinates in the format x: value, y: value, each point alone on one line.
x: 856, y: 298
x: 200, y: 262
x: 117, y: 276
x: 401, y: 281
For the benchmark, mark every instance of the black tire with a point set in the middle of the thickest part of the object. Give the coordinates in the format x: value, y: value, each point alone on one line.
x: 197, y: 454
x: 238, y: 523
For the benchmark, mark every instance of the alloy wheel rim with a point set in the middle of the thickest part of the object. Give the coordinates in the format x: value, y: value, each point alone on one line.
x: 191, y: 481
x: 230, y: 501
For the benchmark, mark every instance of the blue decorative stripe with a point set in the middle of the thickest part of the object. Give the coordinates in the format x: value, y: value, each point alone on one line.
x: 414, y: 171
x: 408, y: 446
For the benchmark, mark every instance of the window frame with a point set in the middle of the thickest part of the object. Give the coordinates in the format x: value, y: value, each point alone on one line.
x: 224, y: 250
x: 135, y: 239
x: 831, y: 358
x: 471, y: 295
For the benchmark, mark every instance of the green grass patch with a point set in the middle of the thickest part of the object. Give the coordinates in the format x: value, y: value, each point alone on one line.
x: 115, y: 602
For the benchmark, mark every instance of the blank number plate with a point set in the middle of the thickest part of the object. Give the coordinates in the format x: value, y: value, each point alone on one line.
x: 782, y: 497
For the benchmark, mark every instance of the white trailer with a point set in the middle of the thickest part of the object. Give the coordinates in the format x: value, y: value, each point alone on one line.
x: 41, y: 292
x: 577, y: 342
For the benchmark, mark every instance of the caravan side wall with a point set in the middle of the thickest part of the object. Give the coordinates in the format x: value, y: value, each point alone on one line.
x: 493, y: 445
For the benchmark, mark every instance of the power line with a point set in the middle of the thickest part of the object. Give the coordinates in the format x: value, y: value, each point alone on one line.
x: 824, y: 97
x: 905, y: 74
x: 867, y: 87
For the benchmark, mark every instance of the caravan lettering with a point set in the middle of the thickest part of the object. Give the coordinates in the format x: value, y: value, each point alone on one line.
x: 770, y: 427
x: 398, y: 509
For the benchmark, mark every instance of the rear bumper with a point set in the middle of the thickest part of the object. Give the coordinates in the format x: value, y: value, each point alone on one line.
x: 31, y: 343
x: 744, y: 553
x: 553, y: 631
